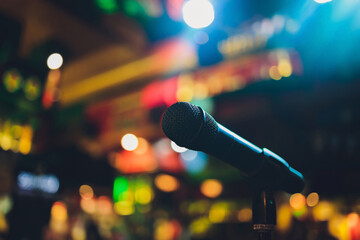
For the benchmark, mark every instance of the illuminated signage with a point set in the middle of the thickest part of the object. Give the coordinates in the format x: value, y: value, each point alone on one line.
x: 47, y: 183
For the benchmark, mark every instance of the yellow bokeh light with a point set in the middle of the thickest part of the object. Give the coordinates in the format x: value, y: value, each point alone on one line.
x: 274, y: 73
x: 54, y: 61
x: 185, y: 94
x: 59, y: 212
x: 244, y: 215
x: 338, y: 227
x: 297, y: 201
x: 323, y: 211
x: 218, y: 212
x: 129, y: 142
x: 312, y: 199
x: 166, y: 183
x: 284, y: 217
x: 15, y: 146
x: 200, y: 90
x: 124, y: 208
x: 3, y: 224
x: 211, y: 188
x: 25, y: 140
x: 78, y: 233
x: 199, y: 226
x: 285, y: 68
x: 143, y: 195
x: 5, y: 141
x: 86, y: 192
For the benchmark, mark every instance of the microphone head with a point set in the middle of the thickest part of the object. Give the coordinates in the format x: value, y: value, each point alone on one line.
x: 187, y: 124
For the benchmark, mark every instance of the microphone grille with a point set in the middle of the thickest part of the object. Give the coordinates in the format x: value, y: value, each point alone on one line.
x: 184, y: 124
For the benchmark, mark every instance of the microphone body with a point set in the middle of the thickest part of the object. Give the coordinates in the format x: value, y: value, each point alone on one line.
x: 191, y: 127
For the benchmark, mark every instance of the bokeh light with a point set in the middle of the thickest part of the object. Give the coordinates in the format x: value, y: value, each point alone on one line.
x: 3, y: 224
x: 284, y: 217
x: 244, y: 215
x: 12, y: 80
x: 338, y: 227
x: 143, y: 194
x: 129, y: 142
x: 285, y: 68
x: 121, y: 186
x: 218, y: 212
x: 274, y: 73
x: 25, y: 140
x: 297, y: 201
x: 88, y: 205
x: 166, y: 183
x: 323, y: 211
x: 312, y: 199
x: 300, y: 213
x: 6, y: 204
x: 353, y: 219
x: 177, y: 148
x: 32, y: 88
x: 167, y: 230
x: 86, y: 192
x: 108, y: 6
x: 199, y: 226
x: 124, y: 208
x: 59, y: 212
x: 322, y: 1
x: 54, y: 61
x: 142, y: 147
x: 201, y: 37
x: 78, y: 233
x: 198, y: 13
x: 211, y: 188
x: 103, y: 205
x: 189, y: 155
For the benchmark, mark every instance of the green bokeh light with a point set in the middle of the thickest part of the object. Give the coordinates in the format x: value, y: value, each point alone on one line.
x: 108, y: 6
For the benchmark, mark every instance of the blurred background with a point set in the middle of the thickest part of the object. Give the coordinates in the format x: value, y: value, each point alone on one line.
x: 84, y: 84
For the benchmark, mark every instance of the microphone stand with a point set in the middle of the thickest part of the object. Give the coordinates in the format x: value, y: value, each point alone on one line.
x: 264, y: 214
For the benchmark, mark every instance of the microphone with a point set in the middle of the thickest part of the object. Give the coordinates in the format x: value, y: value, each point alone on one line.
x: 191, y: 127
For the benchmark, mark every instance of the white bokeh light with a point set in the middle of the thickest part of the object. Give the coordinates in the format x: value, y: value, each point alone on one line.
x: 322, y: 1
x: 177, y: 148
x: 129, y: 142
x: 198, y: 13
x: 54, y: 61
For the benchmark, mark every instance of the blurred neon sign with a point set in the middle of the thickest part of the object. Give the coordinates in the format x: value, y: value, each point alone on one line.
x: 47, y: 183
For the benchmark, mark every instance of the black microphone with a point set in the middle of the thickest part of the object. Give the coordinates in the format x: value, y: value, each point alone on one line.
x: 191, y: 127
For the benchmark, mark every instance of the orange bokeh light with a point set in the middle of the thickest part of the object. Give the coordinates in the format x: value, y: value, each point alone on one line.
x: 297, y: 201
x: 166, y: 183
x: 211, y: 188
